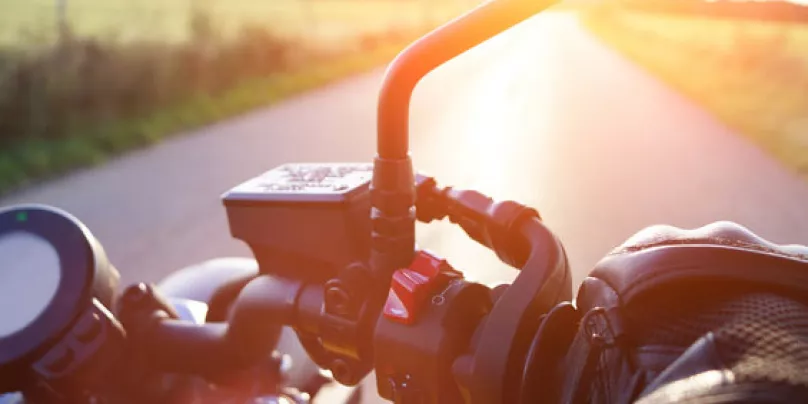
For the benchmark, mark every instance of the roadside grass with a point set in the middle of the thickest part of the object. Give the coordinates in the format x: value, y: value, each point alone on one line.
x: 35, y: 159
x: 166, y: 20
x: 752, y: 75
x: 128, y: 73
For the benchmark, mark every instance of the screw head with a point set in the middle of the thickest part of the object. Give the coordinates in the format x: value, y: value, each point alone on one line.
x: 136, y: 293
x: 341, y: 371
x: 337, y: 300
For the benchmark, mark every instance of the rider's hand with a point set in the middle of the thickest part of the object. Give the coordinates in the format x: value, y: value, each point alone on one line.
x: 725, y: 249
x: 717, y: 233
x: 670, y: 303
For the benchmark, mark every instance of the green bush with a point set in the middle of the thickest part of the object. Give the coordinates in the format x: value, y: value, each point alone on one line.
x: 53, y: 92
x: 11, y: 172
x: 75, y: 103
x: 752, y: 75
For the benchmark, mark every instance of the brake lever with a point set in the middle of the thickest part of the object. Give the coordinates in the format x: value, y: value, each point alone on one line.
x: 490, y: 371
x: 494, y: 225
x: 518, y: 237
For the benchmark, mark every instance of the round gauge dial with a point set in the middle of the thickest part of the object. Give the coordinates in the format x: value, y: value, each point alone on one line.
x: 52, y: 270
x: 29, y: 278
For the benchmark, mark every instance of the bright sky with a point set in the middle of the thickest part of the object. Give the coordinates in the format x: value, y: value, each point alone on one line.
x: 800, y: 2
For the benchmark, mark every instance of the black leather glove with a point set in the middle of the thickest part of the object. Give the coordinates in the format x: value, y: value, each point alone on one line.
x: 717, y: 233
x: 669, y: 304
x: 659, y: 254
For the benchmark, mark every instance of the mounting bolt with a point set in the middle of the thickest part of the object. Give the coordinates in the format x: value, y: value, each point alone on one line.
x: 136, y: 294
x: 337, y: 300
x: 341, y: 371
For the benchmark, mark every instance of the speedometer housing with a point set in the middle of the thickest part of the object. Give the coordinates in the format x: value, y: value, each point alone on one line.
x: 86, y: 279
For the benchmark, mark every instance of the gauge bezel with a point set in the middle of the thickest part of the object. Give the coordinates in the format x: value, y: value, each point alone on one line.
x: 78, y: 258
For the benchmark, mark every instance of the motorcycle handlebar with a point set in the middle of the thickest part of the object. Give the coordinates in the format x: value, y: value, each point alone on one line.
x: 342, y: 326
x: 496, y: 366
x: 253, y: 330
x: 482, y: 369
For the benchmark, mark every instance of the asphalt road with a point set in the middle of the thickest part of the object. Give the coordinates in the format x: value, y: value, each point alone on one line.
x: 545, y: 115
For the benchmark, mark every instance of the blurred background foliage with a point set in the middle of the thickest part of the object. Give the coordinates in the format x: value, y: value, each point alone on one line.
x: 81, y: 80
x: 746, y: 62
x: 321, y: 20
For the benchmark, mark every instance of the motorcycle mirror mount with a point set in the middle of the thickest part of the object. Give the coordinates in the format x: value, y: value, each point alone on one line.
x: 393, y: 184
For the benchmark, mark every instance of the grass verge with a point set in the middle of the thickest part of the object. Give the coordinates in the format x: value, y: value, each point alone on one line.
x: 752, y: 75
x: 166, y: 20
x: 37, y: 159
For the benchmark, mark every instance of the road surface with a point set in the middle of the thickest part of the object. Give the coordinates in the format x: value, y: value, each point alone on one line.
x: 545, y: 115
